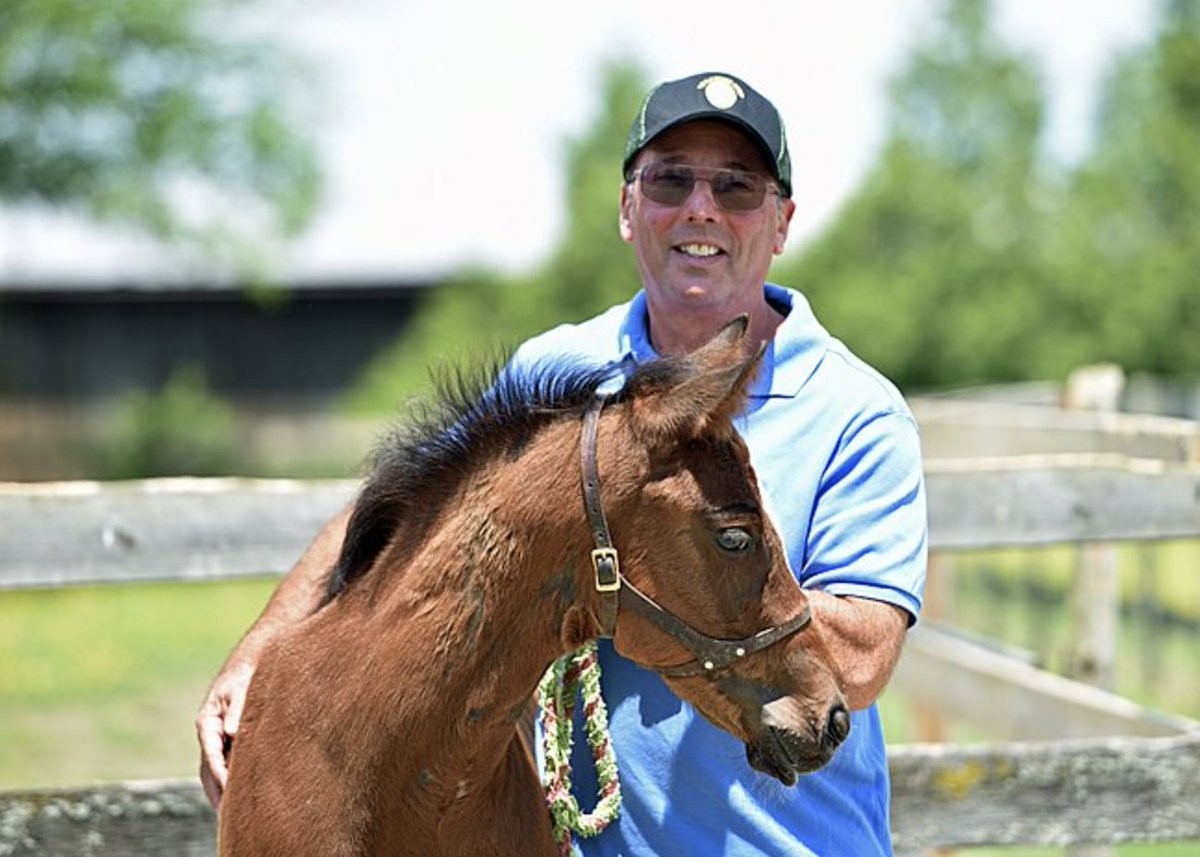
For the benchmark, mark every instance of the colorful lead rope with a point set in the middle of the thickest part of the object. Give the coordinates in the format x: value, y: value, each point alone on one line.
x: 556, y: 697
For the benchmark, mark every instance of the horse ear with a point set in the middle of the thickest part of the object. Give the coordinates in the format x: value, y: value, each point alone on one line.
x: 710, y: 389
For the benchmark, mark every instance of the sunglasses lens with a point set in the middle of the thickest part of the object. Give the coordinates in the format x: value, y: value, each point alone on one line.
x: 672, y: 184
x: 735, y: 190
x: 667, y: 184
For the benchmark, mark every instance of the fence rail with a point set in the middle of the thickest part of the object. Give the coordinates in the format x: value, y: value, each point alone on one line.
x: 1138, y: 783
x: 1102, y: 790
x: 71, y: 533
x: 1096, y: 791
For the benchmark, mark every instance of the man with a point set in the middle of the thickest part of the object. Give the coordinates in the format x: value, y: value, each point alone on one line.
x: 706, y: 205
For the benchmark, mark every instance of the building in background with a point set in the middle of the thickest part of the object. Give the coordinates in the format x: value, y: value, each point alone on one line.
x: 74, y: 354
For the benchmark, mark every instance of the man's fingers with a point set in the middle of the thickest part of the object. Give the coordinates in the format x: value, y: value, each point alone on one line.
x: 212, y: 752
x: 216, y: 725
x: 233, y: 712
x: 211, y: 790
x: 212, y: 757
x: 233, y: 698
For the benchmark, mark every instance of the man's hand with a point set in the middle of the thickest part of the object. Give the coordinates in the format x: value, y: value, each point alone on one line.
x: 217, y: 725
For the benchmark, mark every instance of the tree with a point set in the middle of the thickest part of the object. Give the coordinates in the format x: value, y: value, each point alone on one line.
x: 1128, y: 247
x: 477, y: 313
x: 932, y: 270
x: 153, y: 115
x: 593, y: 268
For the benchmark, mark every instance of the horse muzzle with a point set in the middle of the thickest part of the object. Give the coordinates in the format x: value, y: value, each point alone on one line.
x: 783, y: 753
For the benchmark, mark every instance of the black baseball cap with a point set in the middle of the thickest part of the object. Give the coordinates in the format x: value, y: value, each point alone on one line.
x: 713, y: 95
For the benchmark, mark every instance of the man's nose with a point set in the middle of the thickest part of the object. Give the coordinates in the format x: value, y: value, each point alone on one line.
x: 701, y: 204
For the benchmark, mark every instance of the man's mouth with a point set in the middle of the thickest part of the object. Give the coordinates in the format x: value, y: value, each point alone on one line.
x: 699, y: 251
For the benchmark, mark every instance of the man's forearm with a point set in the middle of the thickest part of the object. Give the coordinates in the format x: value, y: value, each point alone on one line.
x: 864, y: 638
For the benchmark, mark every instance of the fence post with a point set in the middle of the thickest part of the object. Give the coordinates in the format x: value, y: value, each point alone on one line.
x: 1095, y: 599
x: 927, y: 715
x: 938, y: 607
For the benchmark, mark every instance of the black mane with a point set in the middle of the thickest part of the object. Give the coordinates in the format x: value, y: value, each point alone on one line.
x: 474, y: 415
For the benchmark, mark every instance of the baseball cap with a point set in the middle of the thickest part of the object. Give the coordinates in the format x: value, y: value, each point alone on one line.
x: 713, y: 95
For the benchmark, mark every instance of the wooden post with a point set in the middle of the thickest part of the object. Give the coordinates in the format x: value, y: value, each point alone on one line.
x: 927, y: 714
x: 1096, y: 604
x: 1095, y: 608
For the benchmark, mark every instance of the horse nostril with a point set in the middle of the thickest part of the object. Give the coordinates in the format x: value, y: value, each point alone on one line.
x: 838, y: 726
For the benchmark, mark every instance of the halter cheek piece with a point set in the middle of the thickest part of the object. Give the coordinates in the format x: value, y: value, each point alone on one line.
x: 616, y: 593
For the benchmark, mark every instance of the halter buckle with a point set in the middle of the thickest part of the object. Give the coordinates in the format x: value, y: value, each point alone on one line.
x: 608, y: 569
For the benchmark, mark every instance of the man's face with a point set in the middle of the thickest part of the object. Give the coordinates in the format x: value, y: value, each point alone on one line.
x: 698, y: 256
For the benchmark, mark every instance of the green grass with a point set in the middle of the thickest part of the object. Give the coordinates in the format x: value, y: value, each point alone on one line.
x: 102, y: 683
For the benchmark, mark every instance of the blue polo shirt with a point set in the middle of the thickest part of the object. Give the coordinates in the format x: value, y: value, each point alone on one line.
x: 837, y: 457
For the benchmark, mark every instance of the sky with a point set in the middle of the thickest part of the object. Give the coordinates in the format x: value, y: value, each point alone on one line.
x: 443, y: 123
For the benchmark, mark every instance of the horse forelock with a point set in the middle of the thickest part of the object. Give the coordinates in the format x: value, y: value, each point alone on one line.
x: 473, y: 416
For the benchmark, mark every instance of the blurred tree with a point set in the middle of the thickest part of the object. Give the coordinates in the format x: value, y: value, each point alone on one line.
x: 153, y: 114
x: 1128, y: 248
x: 932, y: 270
x: 593, y: 268
x: 478, y: 313
x: 181, y: 430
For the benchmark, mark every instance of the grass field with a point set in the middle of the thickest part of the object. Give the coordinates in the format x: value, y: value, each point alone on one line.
x: 102, y: 683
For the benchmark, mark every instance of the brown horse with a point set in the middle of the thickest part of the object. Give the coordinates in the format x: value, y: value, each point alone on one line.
x: 385, y: 723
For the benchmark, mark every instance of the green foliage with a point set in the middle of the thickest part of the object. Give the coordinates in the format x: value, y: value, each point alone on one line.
x: 184, y: 430
x: 593, y: 268
x: 102, y: 683
x: 477, y: 314
x: 149, y: 114
x: 965, y: 257
x: 1129, y: 241
x: 932, y: 270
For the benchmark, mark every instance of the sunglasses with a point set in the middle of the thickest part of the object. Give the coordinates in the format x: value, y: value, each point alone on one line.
x: 733, y: 190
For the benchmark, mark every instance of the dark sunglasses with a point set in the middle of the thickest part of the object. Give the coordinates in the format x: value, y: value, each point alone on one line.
x: 733, y: 190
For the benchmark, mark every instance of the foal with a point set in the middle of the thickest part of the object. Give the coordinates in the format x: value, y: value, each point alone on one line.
x: 385, y: 723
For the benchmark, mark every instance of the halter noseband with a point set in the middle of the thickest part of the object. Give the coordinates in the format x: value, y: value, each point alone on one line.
x: 615, y: 592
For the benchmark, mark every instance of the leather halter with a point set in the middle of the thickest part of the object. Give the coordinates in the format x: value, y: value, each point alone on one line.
x: 615, y: 592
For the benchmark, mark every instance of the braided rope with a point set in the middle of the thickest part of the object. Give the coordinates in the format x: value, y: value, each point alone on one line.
x: 556, y: 696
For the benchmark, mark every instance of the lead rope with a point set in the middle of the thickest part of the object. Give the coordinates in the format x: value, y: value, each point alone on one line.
x: 556, y: 697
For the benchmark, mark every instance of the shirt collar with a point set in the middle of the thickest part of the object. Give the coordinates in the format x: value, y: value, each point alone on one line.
x: 635, y: 331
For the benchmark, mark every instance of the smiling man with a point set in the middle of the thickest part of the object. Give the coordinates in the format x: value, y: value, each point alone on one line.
x: 705, y: 221
x: 705, y: 204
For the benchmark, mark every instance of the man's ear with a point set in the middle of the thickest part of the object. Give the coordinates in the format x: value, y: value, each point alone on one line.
x: 786, y: 209
x: 625, y: 222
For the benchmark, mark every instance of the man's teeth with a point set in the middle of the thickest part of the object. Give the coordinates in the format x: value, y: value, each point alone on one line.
x: 699, y: 249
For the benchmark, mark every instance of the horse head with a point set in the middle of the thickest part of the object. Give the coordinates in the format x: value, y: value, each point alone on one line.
x: 695, y: 584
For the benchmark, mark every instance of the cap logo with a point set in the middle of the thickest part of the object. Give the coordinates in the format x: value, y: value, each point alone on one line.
x: 720, y: 91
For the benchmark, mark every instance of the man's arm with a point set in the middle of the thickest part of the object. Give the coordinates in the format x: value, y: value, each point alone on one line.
x: 297, y: 595
x: 865, y: 558
x: 864, y: 638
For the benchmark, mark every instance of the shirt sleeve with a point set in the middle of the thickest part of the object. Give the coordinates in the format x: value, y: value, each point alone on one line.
x: 869, y: 532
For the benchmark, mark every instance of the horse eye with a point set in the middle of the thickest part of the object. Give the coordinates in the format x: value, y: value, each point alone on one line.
x: 735, y: 539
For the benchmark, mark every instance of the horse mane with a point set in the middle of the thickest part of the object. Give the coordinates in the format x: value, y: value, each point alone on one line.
x: 473, y: 415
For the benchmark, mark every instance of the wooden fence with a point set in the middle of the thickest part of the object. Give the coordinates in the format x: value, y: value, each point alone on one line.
x: 1084, y: 765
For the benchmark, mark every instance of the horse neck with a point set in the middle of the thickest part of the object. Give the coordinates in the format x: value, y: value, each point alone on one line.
x: 476, y: 613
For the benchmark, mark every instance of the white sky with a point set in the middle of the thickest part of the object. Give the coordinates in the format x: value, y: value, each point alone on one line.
x: 444, y: 134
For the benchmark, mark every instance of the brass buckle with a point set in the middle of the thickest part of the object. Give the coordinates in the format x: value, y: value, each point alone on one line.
x: 608, y: 569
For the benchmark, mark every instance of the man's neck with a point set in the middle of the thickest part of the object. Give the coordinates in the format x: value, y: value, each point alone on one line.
x: 672, y: 334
